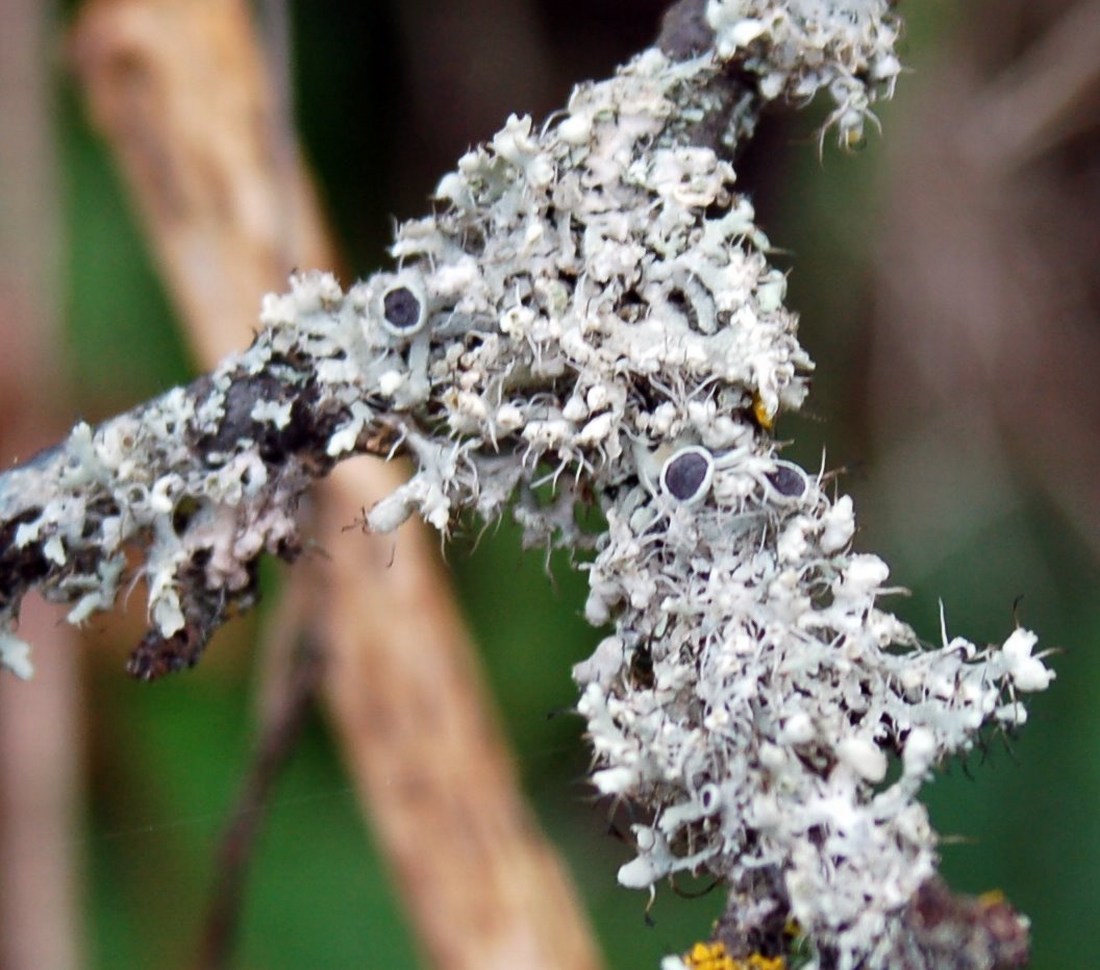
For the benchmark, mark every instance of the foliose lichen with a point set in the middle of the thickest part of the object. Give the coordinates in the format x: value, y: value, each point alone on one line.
x: 590, y: 317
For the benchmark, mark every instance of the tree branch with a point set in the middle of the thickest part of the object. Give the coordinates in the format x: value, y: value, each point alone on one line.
x: 200, y: 481
x: 590, y: 318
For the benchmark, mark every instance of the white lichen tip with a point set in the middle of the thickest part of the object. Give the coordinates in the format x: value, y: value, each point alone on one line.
x: 15, y: 655
x: 800, y: 47
x: 1027, y: 673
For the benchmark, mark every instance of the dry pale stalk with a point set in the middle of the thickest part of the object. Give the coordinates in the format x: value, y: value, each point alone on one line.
x: 178, y: 88
x: 40, y: 749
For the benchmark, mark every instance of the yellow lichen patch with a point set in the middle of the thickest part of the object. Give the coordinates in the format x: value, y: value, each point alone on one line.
x: 764, y: 417
x: 709, y: 956
x: 713, y: 956
x: 758, y: 962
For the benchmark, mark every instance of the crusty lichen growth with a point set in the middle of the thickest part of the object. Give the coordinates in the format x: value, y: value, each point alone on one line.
x: 590, y: 316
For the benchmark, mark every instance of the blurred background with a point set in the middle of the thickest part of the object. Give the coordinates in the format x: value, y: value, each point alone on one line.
x: 948, y: 282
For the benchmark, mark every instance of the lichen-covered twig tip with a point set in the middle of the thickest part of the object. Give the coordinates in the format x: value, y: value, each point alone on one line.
x: 590, y: 316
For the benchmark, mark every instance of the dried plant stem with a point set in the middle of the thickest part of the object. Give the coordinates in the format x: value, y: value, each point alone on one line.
x: 40, y: 744
x: 180, y: 83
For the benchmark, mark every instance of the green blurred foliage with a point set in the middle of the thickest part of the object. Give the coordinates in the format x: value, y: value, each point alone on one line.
x: 167, y: 760
x: 123, y: 344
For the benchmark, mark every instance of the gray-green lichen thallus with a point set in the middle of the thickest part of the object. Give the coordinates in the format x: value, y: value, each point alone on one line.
x: 589, y: 316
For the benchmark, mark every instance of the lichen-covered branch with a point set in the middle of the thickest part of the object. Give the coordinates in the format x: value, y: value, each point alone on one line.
x: 590, y: 318
x: 199, y: 483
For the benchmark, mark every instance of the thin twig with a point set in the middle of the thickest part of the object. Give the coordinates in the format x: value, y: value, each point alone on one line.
x: 41, y: 744
x: 278, y: 734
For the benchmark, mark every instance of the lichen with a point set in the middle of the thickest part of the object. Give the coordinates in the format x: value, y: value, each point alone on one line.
x: 591, y: 316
